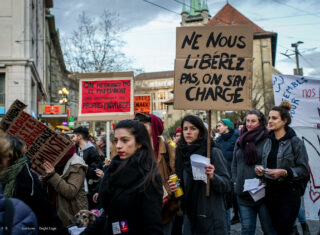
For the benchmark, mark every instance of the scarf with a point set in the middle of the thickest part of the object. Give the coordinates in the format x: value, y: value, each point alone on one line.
x: 121, y: 174
x: 10, y: 176
x: 247, y: 142
x: 190, y: 186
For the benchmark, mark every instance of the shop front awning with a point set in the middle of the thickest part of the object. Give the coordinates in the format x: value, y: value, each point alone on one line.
x: 54, y: 117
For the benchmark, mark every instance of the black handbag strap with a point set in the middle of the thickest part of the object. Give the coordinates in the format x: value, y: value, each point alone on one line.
x: 167, y: 156
x: 8, y: 216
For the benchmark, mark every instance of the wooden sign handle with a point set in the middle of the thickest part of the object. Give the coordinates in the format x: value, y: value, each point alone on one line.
x: 208, y: 151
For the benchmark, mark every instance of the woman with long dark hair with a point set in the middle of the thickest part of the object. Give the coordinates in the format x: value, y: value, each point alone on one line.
x: 285, y: 168
x: 247, y: 154
x: 202, y: 214
x: 131, y: 190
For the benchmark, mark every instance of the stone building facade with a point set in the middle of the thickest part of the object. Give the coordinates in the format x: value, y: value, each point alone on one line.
x: 22, y: 53
x: 57, y: 76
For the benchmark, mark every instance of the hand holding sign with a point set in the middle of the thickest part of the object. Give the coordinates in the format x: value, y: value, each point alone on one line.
x: 43, y: 144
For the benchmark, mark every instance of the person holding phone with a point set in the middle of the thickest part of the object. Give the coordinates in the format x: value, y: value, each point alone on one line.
x: 285, y: 169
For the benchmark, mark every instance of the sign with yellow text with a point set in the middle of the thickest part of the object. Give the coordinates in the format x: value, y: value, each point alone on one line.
x: 213, y: 68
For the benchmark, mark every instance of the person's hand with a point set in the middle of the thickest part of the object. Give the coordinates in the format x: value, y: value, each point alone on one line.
x: 210, y: 170
x: 99, y: 173
x: 172, y: 186
x: 95, y: 197
x: 107, y: 161
x: 259, y: 170
x: 49, y: 169
x: 277, y: 173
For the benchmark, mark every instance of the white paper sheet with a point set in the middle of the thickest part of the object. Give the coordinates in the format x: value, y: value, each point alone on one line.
x: 255, y: 189
x: 250, y: 184
x: 75, y: 230
x: 260, y: 193
x: 198, y: 163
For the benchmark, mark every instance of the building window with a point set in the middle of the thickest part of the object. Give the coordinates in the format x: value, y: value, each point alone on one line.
x: 2, y: 90
x: 162, y: 95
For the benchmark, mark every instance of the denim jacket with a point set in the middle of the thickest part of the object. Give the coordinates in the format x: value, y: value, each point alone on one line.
x: 292, y: 156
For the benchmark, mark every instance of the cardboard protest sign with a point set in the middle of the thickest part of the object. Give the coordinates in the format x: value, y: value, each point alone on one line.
x: 213, y: 68
x: 43, y: 144
x: 142, y: 104
x: 106, y: 96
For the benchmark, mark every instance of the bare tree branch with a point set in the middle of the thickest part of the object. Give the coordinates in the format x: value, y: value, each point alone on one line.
x: 95, y: 45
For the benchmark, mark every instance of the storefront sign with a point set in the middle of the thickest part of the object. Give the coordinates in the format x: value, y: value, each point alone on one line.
x: 52, y: 109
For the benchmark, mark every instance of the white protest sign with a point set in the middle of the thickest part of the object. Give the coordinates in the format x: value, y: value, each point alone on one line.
x: 304, y: 95
x: 311, y: 139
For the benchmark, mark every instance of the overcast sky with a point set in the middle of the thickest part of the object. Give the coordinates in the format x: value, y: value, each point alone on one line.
x: 149, y: 31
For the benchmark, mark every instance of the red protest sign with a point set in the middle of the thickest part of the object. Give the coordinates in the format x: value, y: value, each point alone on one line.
x: 43, y: 144
x: 105, y: 96
x: 142, y: 104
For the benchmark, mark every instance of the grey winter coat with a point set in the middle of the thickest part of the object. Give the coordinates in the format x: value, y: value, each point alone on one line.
x: 241, y: 171
x: 292, y: 156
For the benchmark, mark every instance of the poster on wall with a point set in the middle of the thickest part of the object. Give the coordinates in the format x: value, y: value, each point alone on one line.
x: 142, y: 104
x: 213, y: 68
x: 311, y: 139
x: 42, y: 143
x: 106, y: 96
x: 304, y: 95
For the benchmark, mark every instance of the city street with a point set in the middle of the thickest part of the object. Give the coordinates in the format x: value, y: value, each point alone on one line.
x: 313, y: 226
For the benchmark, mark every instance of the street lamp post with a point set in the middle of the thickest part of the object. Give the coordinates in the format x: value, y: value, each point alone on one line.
x: 64, y: 99
x: 296, y: 51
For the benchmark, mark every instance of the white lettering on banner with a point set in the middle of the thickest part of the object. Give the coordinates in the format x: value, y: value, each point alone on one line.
x: 311, y: 139
x: 304, y: 95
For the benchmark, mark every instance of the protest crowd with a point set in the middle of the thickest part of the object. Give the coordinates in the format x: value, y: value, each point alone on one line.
x: 155, y: 185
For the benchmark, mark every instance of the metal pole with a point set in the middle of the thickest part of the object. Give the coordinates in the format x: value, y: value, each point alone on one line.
x: 297, y: 58
x: 296, y: 51
x: 108, y: 139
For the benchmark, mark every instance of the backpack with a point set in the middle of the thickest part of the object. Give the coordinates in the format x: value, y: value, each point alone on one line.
x: 303, y: 182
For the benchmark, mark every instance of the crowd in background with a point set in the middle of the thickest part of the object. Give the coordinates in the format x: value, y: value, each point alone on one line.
x: 132, y: 192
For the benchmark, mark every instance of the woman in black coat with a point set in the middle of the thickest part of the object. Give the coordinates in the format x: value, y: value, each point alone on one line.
x: 285, y: 168
x: 131, y: 190
x: 202, y: 215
